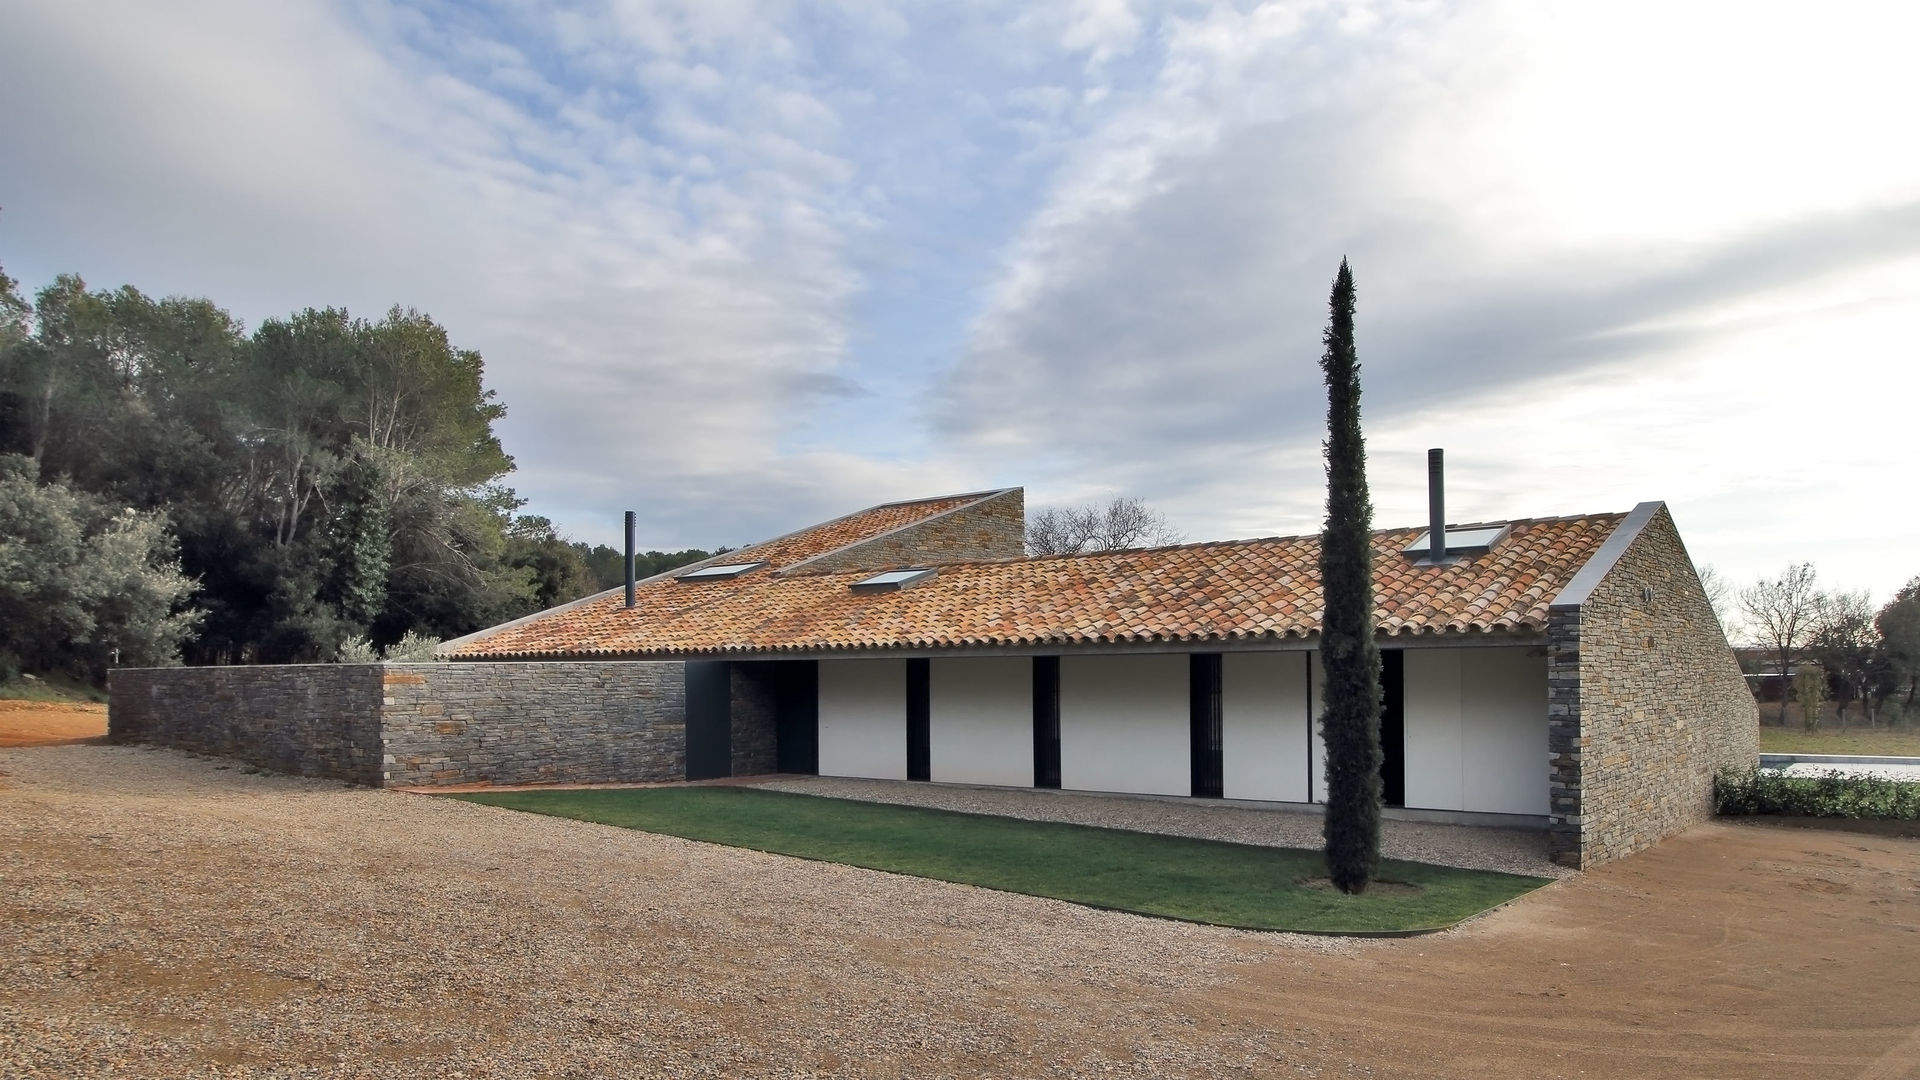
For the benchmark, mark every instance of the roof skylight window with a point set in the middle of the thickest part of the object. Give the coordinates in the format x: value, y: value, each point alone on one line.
x: 1474, y: 541
x: 719, y: 571
x: 893, y: 580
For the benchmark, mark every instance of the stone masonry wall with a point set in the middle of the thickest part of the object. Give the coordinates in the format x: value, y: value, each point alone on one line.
x: 755, y: 731
x: 594, y: 722
x: 400, y: 725
x: 1645, y: 704
x: 993, y: 528
x: 307, y: 719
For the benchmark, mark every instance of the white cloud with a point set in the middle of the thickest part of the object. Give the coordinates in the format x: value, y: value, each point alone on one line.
x: 715, y: 252
x: 1561, y: 217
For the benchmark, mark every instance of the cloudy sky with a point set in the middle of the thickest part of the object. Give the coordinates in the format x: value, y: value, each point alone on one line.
x: 742, y: 265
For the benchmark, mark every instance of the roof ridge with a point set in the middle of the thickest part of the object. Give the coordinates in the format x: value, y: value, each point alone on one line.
x: 974, y: 495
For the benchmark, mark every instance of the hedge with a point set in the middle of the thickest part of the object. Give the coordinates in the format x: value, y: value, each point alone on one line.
x: 1832, y: 794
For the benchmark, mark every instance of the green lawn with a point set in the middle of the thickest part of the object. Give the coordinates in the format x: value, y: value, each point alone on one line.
x: 1902, y: 743
x: 1195, y: 880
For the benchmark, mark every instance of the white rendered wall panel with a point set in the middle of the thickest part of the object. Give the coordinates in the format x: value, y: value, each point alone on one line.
x: 1125, y: 724
x: 981, y: 726
x: 1503, y: 711
x: 863, y: 718
x: 1435, y: 772
x: 1319, y: 676
x: 1265, y: 728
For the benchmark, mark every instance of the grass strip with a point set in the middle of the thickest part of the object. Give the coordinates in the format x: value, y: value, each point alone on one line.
x: 1900, y: 742
x: 1170, y: 876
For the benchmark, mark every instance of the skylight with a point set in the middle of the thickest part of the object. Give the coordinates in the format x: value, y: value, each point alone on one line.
x: 719, y: 571
x: 1473, y: 541
x: 893, y: 580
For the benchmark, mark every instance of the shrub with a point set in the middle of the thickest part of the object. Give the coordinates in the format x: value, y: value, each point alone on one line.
x: 84, y: 585
x: 1832, y: 794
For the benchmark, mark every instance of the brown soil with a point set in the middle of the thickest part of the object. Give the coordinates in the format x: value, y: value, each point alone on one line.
x: 51, y: 723
x: 1732, y: 950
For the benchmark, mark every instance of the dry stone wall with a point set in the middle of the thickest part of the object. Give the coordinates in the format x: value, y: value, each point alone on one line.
x: 401, y: 725
x: 1645, y: 703
x: 579, y: 723
x: 306, y: 719
x: 754, y: 733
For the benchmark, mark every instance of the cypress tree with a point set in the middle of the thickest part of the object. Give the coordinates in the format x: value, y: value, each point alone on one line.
x: 1351, y: 721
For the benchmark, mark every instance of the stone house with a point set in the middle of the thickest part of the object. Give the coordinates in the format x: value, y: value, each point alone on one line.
x: 1565, y: 673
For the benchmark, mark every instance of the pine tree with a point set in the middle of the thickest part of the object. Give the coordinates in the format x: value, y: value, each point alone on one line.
x: 1351, y: 722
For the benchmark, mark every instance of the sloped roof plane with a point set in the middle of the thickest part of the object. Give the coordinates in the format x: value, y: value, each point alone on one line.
x: 1233, y: 591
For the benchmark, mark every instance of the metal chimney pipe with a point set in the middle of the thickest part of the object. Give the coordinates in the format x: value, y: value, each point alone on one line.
x: 629, y: 558
x: 1436, y: 507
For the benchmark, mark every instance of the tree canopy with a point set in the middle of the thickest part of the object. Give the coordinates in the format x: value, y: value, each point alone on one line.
x: 322, y: 479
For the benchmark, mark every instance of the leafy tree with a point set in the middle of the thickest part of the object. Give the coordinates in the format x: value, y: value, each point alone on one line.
x: 1780, y: 614
x: 1351, y: 722
x: 327, y: 477
x: 357, y: 544
x: 1810, y: 693
x: 1122, y: 523
x: 558, y: 573
x: 1846, y: 646
x: 604, y: 563
x: 83, y: 585
x: 1899, y: 626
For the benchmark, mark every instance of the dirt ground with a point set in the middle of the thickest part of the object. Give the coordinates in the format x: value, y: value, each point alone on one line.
x: 174, y: 916
x: 49, y: 723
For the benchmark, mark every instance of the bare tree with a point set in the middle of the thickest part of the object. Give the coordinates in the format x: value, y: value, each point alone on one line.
x: 1720, y: 594
x: 1122, y: 523
x: 1781, y: 613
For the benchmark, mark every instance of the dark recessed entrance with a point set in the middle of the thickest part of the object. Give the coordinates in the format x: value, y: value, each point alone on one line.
x: 1205, y: 721
x: 1393, y: 727
x: 709, y: 719
x: 796, y: 715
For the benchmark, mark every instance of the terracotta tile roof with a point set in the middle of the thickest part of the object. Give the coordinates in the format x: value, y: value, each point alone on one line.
x: 1232, y: 591
x: 861, y: 525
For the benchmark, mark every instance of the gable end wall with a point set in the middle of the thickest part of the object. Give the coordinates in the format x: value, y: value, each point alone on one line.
x: 1645, y: 704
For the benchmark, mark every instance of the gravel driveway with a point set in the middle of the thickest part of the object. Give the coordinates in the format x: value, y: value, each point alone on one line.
x: 171, y: 916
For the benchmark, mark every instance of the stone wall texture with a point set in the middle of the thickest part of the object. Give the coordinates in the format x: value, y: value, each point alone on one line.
x: 308, y: 720
x: 754, y: 720
x: 401, y: 725
x: 1645, y: 703
x: 992, y: 528
x: 582, y: 723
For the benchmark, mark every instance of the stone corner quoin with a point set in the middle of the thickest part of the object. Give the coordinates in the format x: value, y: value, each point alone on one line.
x: 1645, y: 703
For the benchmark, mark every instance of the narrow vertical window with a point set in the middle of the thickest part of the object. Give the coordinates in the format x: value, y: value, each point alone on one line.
x: 1046, y: 721
x: 919, y: 721
x: 1393, y: 727
x: 1208, y: 744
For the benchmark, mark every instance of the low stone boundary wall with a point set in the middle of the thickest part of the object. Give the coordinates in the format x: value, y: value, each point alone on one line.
x: 402, y: 725
x: 308, y: 720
